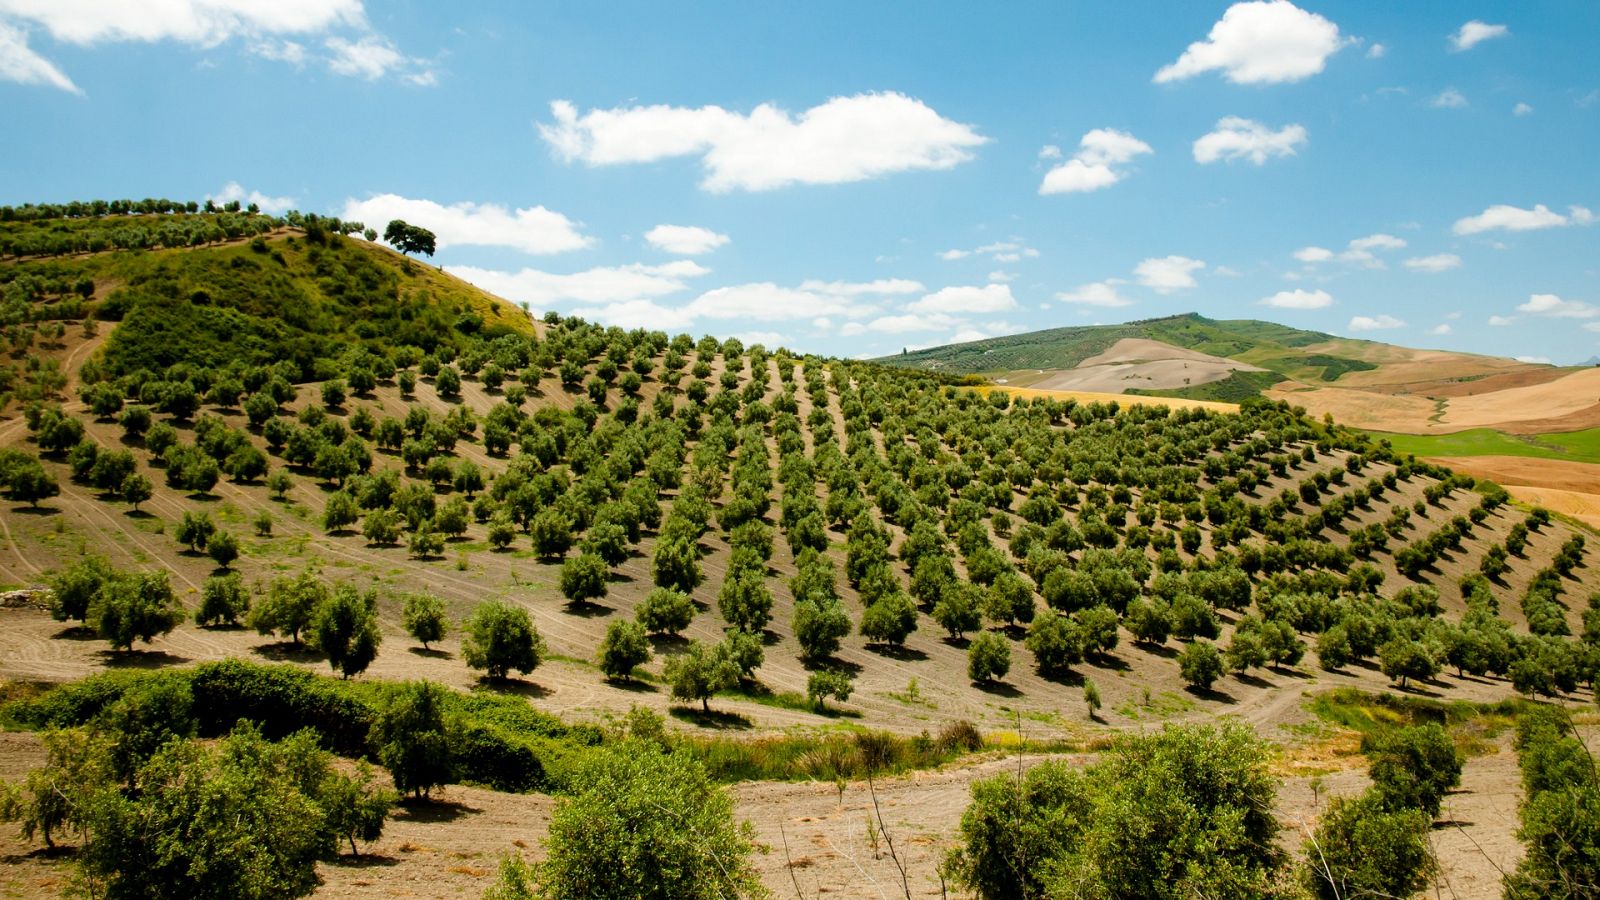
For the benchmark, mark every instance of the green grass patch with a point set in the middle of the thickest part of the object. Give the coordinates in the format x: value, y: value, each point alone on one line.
x: 1161, y: 706
x: 1576, y: 446
x: 1475, y: 726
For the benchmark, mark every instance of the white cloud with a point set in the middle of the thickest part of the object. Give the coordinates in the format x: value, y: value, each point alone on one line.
x: 1237, y: 138
x: 881, y: 286
x: 1474, y: 33
x: 1001, y: 276
x: 843, y: 140
x: 1522, y: 109
x: 769, y: 339
x: 1375, y: 323
x: 1096, y: 164
x: 233, y: 191
x: 768, y: 302
x: 291, y: 52
x: 1008, y: 251
x: 532, y: 230
x: 1049, y: 151
x: 1439, y: 262
x: 966, y: 299
x: 1357, y: 252
x: 19, y: 63
x: 608, y: 284
x: 204, y: 24
x: 1299, y: 299
x: 1551, y: 305
x: 1536, y: 360
x: 1168, y: 273
x: 1260, y: 43
x: 685, y: 240
x: 372, y: 57
x: 1095, y: 293
x: 1501, y: 321
x: 1378, y: 242
x: 1441, y: 329
x: 1449, y: 98
x: 1377, y: 51
x: 1502, y: 217
x: 637, y: 314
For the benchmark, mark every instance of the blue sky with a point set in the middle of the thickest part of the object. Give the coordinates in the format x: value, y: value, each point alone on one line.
x: 856, y: 178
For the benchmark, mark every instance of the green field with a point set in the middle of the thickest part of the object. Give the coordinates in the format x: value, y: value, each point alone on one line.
x: 1575, y: 446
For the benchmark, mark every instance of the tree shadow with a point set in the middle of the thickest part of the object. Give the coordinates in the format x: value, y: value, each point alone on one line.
x: 1290, y: 672
x: 1413, y: 689
x: 138, y: 514
x: 901, y: 652
x: 140, y: 659
x: 620, y: 578
x: 1211, y: 693
x: 633, y: 686
x: 222, y: 626
x: 959, y: 643
x: 831, y: 663
x: 432, y: 811
x: 670, y: 644
x: 77, y: 633
x: 587, y: 609
x: 286, y: 651
x: 364, y: 861
x: 1068, y: 677
x: 36, y: 510
x: 1165, y: 651
x: 1255, y: 681
x: 1107, y: 661
x: 997, y: 689
x: 430, y: 652
x: 720, y: 720
x: 518, y: 686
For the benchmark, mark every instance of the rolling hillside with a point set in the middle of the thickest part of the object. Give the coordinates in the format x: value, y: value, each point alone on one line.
x: 342, y: 413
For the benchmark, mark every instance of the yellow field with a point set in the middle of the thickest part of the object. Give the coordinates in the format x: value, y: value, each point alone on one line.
x: 1121, y: 399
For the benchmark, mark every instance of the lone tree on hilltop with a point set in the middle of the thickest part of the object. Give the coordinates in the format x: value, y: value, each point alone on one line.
x: 409, y: 238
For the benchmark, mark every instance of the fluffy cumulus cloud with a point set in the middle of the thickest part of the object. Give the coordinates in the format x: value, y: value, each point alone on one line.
x: 1438, y: 262
x: 1449, y: 98
x: 540, y: 291
x: 1260, y: 42
x: 263, y: 27
x: 1236, y: 138
x: 1098, y: 163
x: 1167, y: 274
x: 843, y: 140
x: 1521, y: 110
x: 1375, y: 323
x: 684, y: 240
x: 962, y: 299
x: 1503, y: 217
x: 234, y: 191
x: 1299, y: 299
x: 533, y: 230
x: 1361, y: 251
x: 1096, y: 293
x: 1475, y: 32
x: 1442, y: 328
x: 1552, y: 305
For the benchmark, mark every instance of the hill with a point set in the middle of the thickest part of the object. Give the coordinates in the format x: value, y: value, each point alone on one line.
x: 364, y: 420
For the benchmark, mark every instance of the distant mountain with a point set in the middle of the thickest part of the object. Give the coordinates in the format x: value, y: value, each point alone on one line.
x: 1193, y: 356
